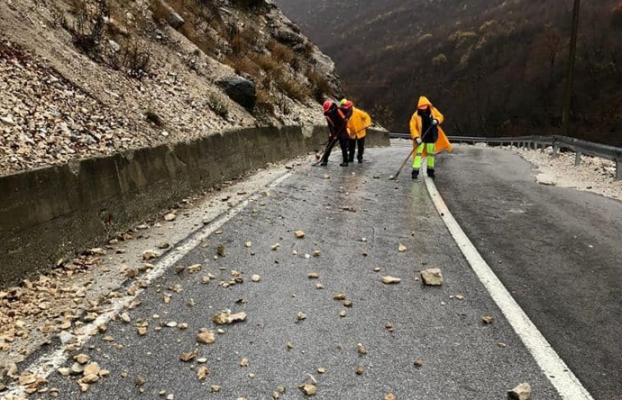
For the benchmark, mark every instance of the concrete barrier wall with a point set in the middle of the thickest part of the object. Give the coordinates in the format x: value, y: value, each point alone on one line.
x: 54, y: 212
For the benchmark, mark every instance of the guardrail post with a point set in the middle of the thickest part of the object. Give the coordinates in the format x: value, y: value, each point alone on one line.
x: 618, y: 170
x: 555, y: 150
x: 577, y: 159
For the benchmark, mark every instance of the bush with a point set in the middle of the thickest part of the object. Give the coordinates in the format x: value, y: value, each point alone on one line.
x: 424, y: 38
x: 238, y: 45
x: 243, y: 64
x: 133, y: 57
x: 265, y: 102
x: 249, y: 36
x: 321, y: 85
x: 281, y: 53
x: 308, y: 50
x: 218, y: 106
x: 264, y: 61
x: 440, y: 59
x: 461, y: 37
x: 486, y: 25
x: 291, y: 87
x: 88, y: 27
x: 202, y: 40
x: 88, y: 30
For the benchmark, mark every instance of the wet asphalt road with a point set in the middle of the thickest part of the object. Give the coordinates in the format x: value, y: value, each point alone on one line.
x: 557, y: 250
x: 461, y: 356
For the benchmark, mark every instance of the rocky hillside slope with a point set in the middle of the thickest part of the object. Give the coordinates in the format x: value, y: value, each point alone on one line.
x: 495, y: 67
x: 81, y: 78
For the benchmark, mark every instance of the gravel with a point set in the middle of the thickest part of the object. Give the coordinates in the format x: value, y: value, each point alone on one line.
x: 594, y: 175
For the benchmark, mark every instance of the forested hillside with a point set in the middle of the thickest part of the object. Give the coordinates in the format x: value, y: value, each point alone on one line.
x: 493, y: 67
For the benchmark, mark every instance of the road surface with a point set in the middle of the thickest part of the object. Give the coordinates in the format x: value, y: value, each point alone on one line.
x: 558, y: 250
x: 357, y: 219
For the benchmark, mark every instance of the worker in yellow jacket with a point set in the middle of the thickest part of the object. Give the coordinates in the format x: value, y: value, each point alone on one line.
x: 357, y: 129
x: 427, y: 135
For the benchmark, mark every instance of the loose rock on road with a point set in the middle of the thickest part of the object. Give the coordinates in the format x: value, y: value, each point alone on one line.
x: 313, y: 289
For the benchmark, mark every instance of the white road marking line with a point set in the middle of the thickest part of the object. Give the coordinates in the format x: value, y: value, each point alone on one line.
x: 48, y: 363
x: 555, y: 369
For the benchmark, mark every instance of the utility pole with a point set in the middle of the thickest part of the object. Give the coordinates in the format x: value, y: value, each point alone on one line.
x: 572, y: 53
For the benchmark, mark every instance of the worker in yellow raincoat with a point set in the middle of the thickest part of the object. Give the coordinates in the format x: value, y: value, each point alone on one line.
x: 357, y: 129
x: 427, y: 135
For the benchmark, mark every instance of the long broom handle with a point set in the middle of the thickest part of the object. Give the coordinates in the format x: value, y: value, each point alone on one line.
x: 336, y: 137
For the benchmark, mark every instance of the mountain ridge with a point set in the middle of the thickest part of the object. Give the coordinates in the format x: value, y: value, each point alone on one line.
x: 496, y: 68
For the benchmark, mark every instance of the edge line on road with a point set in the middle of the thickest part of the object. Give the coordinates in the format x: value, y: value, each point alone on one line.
x: 557, y: 372
x: 47, y: 363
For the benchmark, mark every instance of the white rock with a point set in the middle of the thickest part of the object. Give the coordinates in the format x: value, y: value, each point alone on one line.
x: 432, y: 277
x: 520, y: 392
x: 8, y: 120
x: 114, y: 45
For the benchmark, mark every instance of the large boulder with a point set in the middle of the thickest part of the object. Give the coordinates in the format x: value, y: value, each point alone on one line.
x: 240, y: 90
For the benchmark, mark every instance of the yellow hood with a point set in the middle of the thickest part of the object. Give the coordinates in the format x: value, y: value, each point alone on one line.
x: 423, y: 101
x: 442, y: 144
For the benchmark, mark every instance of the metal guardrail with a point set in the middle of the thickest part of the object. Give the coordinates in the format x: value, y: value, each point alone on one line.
x: 580, y: 147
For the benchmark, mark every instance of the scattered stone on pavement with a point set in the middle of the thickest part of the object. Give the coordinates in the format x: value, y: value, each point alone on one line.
x: 432, y: 277
x: 520, y: 392
x: 390, y: 280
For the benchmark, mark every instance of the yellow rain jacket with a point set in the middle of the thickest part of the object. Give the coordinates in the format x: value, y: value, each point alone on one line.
x: 358, y: 124
x: 442, y: 143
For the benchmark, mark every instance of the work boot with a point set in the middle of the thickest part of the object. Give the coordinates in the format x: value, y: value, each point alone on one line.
x: 360, y: 159
x: 431, y: 172
x: 344, y: 164
x: 323, y: 164
x: 415, y: 174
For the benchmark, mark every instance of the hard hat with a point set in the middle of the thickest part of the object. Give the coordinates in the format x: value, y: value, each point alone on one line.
x: 343, y: 101
x: 348, y: 104
x: 327, y: 105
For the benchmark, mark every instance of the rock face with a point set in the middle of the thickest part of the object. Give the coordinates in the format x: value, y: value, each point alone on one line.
x: 240, y: 90
x: 432, y: 277
x: 67, y: 100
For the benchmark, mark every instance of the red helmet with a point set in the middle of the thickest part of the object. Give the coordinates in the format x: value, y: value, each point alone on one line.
x: 348, y: 104
x: 327, y: 105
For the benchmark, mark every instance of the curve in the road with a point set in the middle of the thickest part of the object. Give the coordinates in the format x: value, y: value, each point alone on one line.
x: 556, y: 370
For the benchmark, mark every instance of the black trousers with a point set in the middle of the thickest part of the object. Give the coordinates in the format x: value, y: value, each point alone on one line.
x: 343, y: 143
x: 352, y: 145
